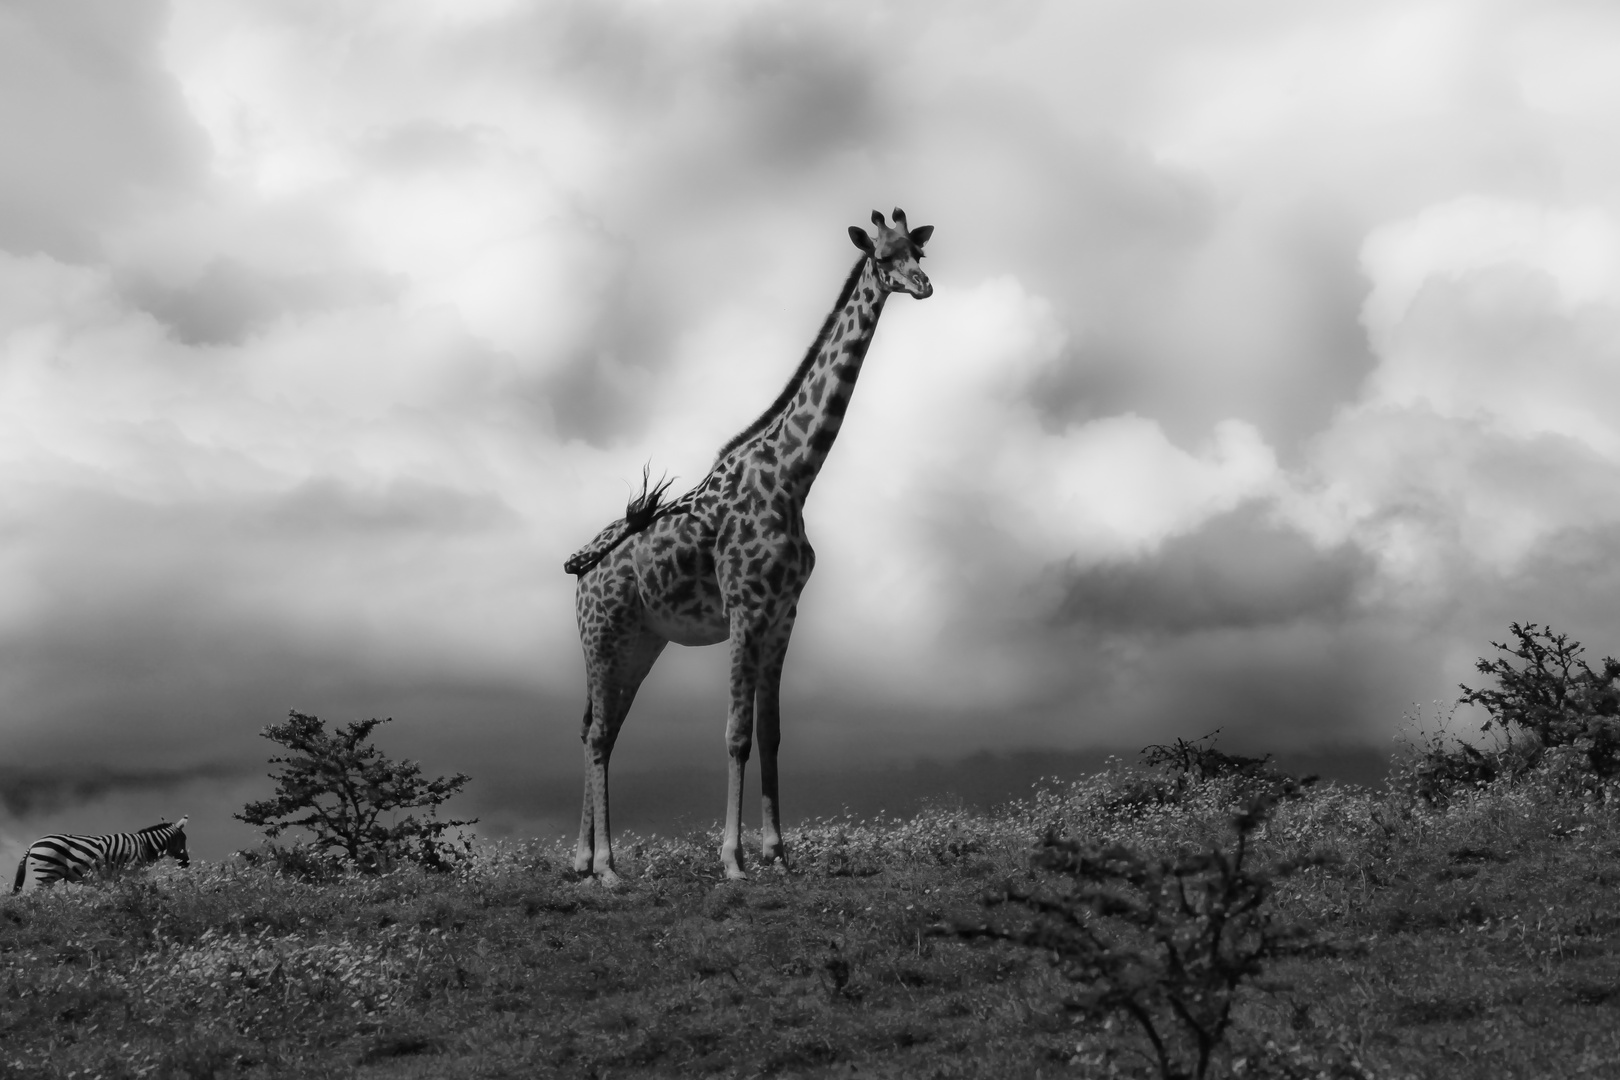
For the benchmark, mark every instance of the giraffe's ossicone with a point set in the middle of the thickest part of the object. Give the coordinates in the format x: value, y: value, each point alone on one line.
x: 727, y: 560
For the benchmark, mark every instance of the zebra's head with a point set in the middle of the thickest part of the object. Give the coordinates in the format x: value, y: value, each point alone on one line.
x: 176, y: 843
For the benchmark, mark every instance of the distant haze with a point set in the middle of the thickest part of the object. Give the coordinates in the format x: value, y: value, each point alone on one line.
x: 1270, y: 373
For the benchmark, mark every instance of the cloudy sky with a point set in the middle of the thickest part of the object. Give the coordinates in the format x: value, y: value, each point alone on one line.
x: 1269, y: 373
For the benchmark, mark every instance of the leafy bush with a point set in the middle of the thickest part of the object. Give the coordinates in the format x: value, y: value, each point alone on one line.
x: 1553, y: 697
x: 340, y: 788
x: 1165, y: 941
x: 1549, y: 711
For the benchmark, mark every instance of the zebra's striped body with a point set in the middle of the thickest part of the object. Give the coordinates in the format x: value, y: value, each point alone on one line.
x: 68, y: 856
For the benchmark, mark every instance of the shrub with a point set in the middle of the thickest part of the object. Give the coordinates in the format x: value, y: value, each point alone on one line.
x: 1552, y: 696
x: 340, y: 788
x: 1164, y: 941
x: 298, y: 860
x: 1549, y: 711
x: 1197, y: 759
x: 1197, y: 762
x: 1438, y: 765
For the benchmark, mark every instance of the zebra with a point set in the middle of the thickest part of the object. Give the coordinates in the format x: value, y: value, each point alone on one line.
x: 71, y: 857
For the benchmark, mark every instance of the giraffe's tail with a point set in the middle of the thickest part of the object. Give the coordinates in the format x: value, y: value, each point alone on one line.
x: 641, y: 512
x: 22, y: 872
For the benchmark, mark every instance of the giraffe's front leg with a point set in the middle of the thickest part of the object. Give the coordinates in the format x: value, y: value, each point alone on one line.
x: 739, y: 739
x: 771, y: 848
x: 768, y: 727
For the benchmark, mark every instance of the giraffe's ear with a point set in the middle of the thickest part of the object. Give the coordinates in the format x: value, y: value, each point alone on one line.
x: 921, y: 233
x: 862, y: 241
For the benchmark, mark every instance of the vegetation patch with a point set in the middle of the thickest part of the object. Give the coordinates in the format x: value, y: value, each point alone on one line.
x: 1403, y: 933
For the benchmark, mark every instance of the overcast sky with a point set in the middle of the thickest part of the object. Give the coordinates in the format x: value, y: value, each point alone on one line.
x: 1270, y: 370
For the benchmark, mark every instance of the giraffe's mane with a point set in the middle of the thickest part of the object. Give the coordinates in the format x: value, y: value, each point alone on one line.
x: 799, y: 373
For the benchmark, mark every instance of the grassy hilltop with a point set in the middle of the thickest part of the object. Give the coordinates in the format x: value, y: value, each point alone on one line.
x: 1474, y: 937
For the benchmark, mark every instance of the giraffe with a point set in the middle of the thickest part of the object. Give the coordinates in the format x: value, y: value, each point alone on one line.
x: 727, y: 560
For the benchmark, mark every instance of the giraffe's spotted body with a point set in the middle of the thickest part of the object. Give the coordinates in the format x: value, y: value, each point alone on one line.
x: 727, y: 560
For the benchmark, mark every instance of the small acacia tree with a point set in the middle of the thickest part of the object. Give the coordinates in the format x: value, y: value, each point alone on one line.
x: 349, y: 796
x: 1546, y: 690
x: 1167, y: 942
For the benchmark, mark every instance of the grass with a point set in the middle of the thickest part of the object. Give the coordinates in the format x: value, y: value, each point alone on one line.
x: 1479, y: 940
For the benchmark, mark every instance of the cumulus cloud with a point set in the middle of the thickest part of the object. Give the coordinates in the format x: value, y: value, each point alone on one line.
x: 1263, y: 380
x: 977, y: 498
x: 1481, y: 435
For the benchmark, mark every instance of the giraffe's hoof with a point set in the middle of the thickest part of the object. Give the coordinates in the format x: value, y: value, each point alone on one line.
x: 735, y: 873
x: 608, y: 879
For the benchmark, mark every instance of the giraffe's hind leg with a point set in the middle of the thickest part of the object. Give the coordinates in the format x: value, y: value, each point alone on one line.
x: 582, y: 849
x: 613, y: 687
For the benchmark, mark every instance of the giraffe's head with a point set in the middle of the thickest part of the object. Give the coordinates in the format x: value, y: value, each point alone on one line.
x: 896, y: 254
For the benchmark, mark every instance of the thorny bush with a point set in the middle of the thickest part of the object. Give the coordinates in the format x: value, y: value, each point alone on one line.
x: 1166, y: 941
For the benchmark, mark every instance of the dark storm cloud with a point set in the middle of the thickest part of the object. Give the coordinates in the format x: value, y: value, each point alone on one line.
x: 1282, y: 687
x: 34, y: 793
x: 1212, y: 371
x: 94, y: 127
x: 223, y: 628
x: 1240, y: 570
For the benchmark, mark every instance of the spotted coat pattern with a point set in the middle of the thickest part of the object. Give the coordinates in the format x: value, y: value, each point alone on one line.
x: 727, y: 560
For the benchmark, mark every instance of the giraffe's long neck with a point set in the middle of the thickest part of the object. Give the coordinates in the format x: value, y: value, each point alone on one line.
x: 804, y: 429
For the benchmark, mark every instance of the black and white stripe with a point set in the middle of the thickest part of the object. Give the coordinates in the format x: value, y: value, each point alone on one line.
x: 68, y: 856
